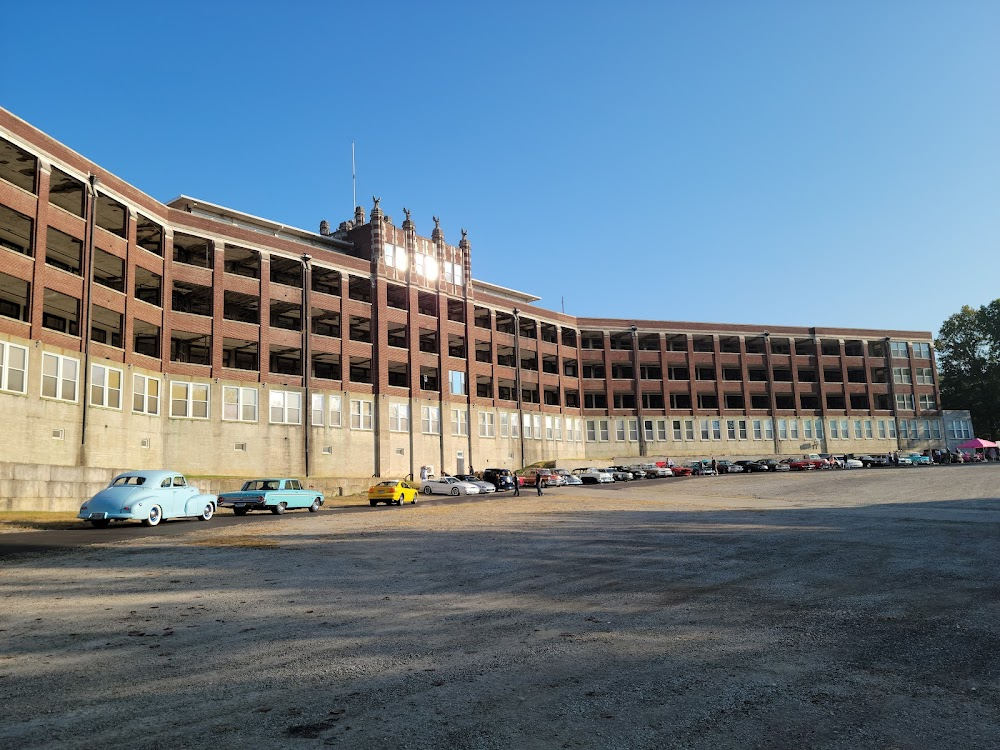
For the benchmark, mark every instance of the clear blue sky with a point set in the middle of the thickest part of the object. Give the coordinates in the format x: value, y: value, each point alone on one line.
x: 800, y: 163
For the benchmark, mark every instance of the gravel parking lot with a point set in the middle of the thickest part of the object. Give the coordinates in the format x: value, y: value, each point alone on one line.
x: 852, y: 609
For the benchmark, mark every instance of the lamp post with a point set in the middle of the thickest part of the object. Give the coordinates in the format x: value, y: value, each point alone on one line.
x: 638, y: 390
x: 306, y: 352
x: 517, y: 379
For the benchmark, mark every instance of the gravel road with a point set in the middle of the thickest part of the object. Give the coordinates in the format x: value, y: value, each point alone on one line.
x: 854, y: 609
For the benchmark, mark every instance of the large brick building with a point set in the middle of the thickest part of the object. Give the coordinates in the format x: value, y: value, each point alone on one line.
x: 222, y: 343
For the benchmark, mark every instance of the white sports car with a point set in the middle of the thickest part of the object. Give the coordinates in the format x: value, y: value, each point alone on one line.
x: 448, y: 486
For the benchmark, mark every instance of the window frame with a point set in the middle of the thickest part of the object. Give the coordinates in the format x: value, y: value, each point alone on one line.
x: 5, y: 367
x: 144, y: 394
x: 241, y: 403
x: 60, y: 378
x: 190, y: 386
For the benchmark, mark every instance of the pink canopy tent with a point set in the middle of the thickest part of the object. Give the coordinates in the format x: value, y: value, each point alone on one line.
x: 977, y: 443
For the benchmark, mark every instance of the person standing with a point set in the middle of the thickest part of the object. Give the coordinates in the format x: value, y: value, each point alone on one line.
x: 423, y: 473
x: 517, y: 485
x: 538, y: 482
x: 715, y: 467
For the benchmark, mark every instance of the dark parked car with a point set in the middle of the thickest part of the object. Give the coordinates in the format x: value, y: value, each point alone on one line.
x: 751, y: 466
x: 502, y: 479
x: 772, y: 464
x: 728, y: 467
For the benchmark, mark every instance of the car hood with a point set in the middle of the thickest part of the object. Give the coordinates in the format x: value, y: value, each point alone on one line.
x: 246, y: 493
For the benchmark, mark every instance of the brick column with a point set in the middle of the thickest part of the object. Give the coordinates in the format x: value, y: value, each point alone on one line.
x: 264, y: 342
x: 218, y: 305
x: 40, y: 234
x: 166, y: 295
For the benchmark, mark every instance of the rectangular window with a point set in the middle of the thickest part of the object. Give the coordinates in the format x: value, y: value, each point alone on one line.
x: 557, y: 428
x: 430, y: 420
x: 757, y: 433
x: 515, y: 426
x: 834, y: 432
x: 145, y: 395
x: 927, y: 403
x: 318, y: 417
x: 807, y: 429
x: 537, y: 419
x: 459, y: 422
x: 13, y: 368
x: 731, y: 429
x: 782, y: 429
x: 881, y: 429
x: 487, y: 427
x: 605, y: 433
x: 936, y: 429
x: 661, y: 429
x: 336, y: 410
x: 925, y: 376
x: 716, y: 429
x: 892, y: 429
x: 620, y: 430
x: 898, y: 349
x: 901, y: 375
x: 456, y: 381
x: 857, y: 429
x: 189, y: 400
x: 286, y: 407
x: 649, y: 433
x: 105, y: 387
x: 904, y: 401
x: 548, y: 427
x: 526, y: 426
x: 579, y: 430
x: 904, y: 429
x: 633, y: 430
x: 819, y: 429
x: 503, y: 425
x: 743, y: 429
x: 677, y: 429
x: 689, y: 429
x: 361, y: 414
x: 704, y: 429
x: 793, y: 429
x: 399, y: 418
x: 239, y: 404
x: 845, y: 432
x: 921, y: 351
x: 591, y: 430
x: 768, y: 429
x: 926, y: 428
x: 869, y: 433
x: 60, y: 376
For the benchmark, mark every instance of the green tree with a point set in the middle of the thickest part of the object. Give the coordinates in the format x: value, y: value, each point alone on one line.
x: 968, y: 349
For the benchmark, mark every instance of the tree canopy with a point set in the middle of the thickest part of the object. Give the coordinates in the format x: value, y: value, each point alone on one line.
x: 968, y: 349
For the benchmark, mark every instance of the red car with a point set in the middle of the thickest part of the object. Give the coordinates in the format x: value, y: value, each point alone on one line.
x: 680, y: 471
x: 799, y: 464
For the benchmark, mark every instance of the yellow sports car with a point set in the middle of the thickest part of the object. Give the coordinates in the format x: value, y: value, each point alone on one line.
x: 392, y: 492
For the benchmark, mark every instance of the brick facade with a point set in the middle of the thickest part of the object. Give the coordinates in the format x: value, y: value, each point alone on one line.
x: 399, y: 325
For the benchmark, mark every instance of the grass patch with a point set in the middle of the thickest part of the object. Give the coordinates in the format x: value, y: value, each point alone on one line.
x: 37, y: 520
x: 246, y: 541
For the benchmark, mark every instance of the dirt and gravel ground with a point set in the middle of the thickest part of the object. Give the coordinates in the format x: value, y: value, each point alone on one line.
x: 817, y: 610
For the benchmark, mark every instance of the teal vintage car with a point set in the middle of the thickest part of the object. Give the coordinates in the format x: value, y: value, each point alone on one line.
x: 147, y: 496
x: 275, y: 495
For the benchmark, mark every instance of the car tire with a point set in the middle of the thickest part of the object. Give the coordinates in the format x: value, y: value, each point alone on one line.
x: 455, y: 491
x: 240, y: 511
x: 154, y: 516
x: 279, y: 508
x: 207, y: 512
x: 314, y: 508
x: 373, y: 503
x: 414, y: 500
x: 427, y: 490
x: 101, y: 523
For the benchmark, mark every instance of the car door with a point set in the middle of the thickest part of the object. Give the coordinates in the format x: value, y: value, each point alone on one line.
x: 178, y: 497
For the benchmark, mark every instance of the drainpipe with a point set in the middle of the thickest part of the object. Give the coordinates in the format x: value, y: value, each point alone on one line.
x: 306, y: 353
x: 892, y: 387
x: 517, y: 380
x: 92, y: 184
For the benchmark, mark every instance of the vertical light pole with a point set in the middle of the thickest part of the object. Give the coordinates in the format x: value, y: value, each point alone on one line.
x: 638, y: 390
x: 92, y: 184
x: 517, y: 379
x: 306, y: 353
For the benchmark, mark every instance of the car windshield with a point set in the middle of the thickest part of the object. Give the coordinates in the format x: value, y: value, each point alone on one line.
x: 129, y: 482
x: 389, y: 483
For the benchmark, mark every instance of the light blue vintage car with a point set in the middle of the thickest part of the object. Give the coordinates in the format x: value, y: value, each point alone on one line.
x: 147, y: 496
x: 276, y: 495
